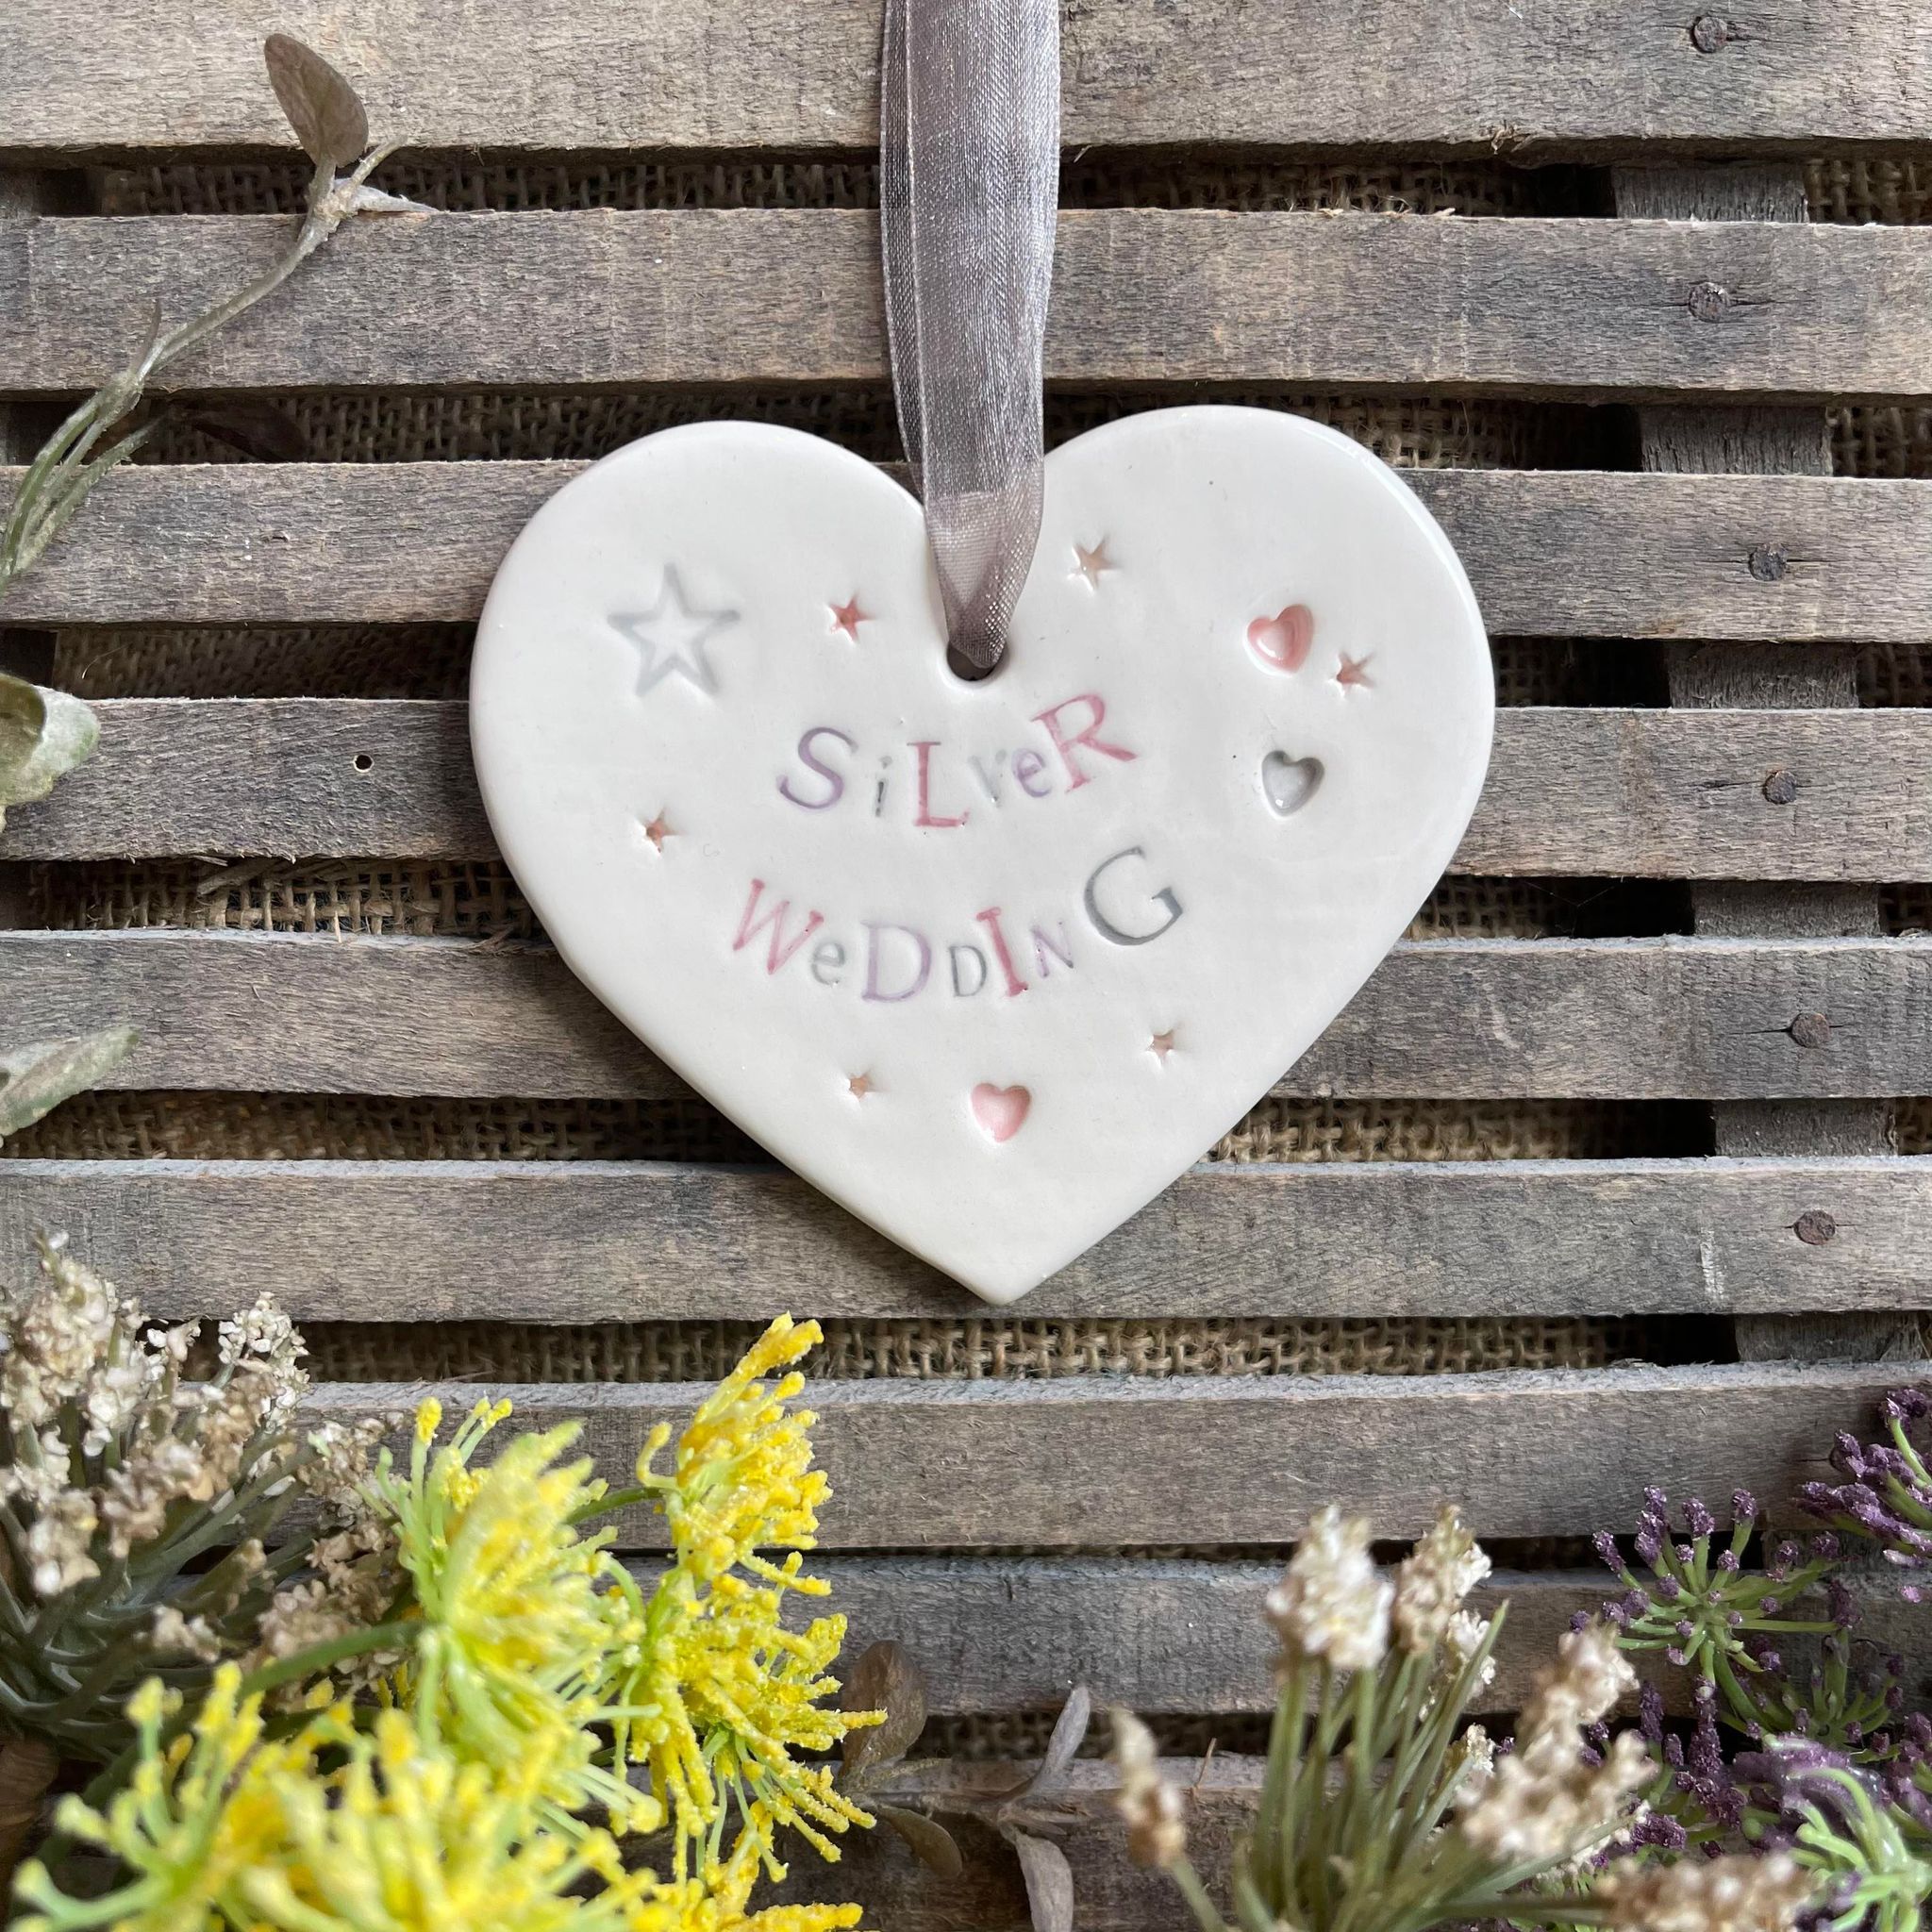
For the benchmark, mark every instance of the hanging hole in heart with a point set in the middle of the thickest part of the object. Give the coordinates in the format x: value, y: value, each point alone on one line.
x: 966, y: 671
x: 1288, y: 783
x: 364, y: 762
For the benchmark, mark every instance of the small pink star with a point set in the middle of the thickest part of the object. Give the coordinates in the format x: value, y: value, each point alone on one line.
x: 861, y: 1085
x: 848, y: 616
x: 1353, y: 671
x: 1092, y: 565
x: 1162, y: 1044
x: 657, y: 831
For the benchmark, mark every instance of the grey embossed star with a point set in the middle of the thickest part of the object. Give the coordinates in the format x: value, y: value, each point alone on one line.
x: 670, y: 636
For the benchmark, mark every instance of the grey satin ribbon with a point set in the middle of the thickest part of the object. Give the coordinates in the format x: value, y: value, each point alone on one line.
x: 970, y: 137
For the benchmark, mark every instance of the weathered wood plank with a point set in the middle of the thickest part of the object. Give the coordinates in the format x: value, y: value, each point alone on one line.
x: 610, y: 1242
x: 1727, y: 675
x: 1639, y: 1019
x: 1245, y: 1460
x: 1551, y: 553
x: 1141, y: 295
x: 995, y: 1635
x: 733, y: 74
x: 1713, y: 794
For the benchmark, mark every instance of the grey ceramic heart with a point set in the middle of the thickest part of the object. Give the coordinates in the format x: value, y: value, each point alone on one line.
x: 1290, y: 783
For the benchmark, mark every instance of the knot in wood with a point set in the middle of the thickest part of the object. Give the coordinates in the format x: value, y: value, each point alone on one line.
x: 1711, y: 31
x: 1814, y: 1228
x: 1708, y: 301
x: 1810, y: 1029
x: 1780, y: 788
x: 1769, y: 562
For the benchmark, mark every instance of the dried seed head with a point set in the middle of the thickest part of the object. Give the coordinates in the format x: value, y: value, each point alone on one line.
x: 1430, y: 1588
x: 1333, y: 1604
x: 1154, y: 1811
x: 1729, y: 1894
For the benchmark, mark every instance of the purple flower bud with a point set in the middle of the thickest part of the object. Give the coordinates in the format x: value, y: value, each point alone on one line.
x: 1686, y: 1555
x: 1727, y: 1561
x: 1827, y: 1548
x: 1770, y: 1606
x: 1580, y: 1620
x: 1842, y: 1605
x: 1649, y: 1543
x: 1656, y: 1501
x: 1676, y: 1657
x: 1698, y: 1519
x: 1743, y: 1505
x: 1669, y: 1590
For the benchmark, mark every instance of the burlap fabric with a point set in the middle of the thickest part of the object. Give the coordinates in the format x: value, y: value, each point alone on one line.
x: 481, y: 902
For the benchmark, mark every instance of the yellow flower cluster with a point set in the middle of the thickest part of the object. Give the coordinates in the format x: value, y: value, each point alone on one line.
x: 514, y: 1606
x: 719, y: 1694
x: 534, y: 1673
x: 347, y: 1830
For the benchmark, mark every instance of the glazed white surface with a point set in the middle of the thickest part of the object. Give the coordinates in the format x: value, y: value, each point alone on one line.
x: 666, y: 631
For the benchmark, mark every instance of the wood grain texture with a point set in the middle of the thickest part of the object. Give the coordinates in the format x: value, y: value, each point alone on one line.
x: 624, y: 298
x: 1557, y: 554
x: 1576, y: 74
x: 1639, y: 1019
x: 1722, y: 795
x: 1723, y: 674
x: 1243, y: 1459
x: 616, y: 1242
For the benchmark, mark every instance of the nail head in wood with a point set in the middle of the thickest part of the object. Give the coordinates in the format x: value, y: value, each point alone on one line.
x: 1814, y: 1228
x: 1769, y: 563
x: 1811, y: 1029
x: 1708, y: 301
x: 1709, y: 32
x: 1780, y: 788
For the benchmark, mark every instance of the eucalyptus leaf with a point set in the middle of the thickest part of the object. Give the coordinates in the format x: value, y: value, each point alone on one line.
x: 42, y: 734
x: 1069, y: 1731
x: 884, y: 1678
x: 35, y: 1079
x: 932, y: 1843
x: 323, y: 110
x: 1049, y: 1881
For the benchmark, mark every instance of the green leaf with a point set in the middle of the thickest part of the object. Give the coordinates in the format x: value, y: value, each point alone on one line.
x: 323, y: 110
x: 932, y: 1843
x: 42, y: 734
x: 35, y: 1079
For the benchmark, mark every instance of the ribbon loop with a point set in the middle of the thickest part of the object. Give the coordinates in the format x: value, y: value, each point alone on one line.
x: 969, y: 193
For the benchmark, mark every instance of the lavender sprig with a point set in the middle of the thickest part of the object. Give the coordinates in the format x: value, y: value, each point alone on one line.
x: 1887, y: 1494
x: 1704, y: 1610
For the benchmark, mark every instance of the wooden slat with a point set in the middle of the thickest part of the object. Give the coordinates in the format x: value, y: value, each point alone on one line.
x: 1141, y: 295
x: 1637, y: 1018
x: 1110, y: 1894
x: 1245, y: 1460
x: 610, y: 1242
x: 1596, y: 792
x: 1578, y: 554
x: 998, y: 1634
x: 545, y: 75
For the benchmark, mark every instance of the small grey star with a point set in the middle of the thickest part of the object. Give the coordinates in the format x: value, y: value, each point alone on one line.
x: 670, y: 636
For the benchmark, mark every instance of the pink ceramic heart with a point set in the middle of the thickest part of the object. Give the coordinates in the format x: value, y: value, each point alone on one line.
x: 1001, y: 1111
x: 1284, y: 640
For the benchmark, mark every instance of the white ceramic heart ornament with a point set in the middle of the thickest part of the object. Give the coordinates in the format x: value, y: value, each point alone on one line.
x: 990, y: 964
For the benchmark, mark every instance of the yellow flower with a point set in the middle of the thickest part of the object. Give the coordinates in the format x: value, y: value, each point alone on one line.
x: 742, y: 1477
x: 517, y: 1625
x: 717, y: 1695
x: 198, y: 1811
x: 719, y: 1902
x: 406, y: 1838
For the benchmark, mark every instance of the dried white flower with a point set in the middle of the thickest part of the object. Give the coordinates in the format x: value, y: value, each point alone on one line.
x: 1731, y: 1894
x: 190, y: 1636
x: 342, y: 1460
x: 1464, y: 1635
x: 1333, y: 1603
x: 58, y: 1541
x: 1154, y: 1811
x: 1430, y: 1586
x: 1582, y: 1687
x: 1545, y: 1804
x: 1475, y: 1763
